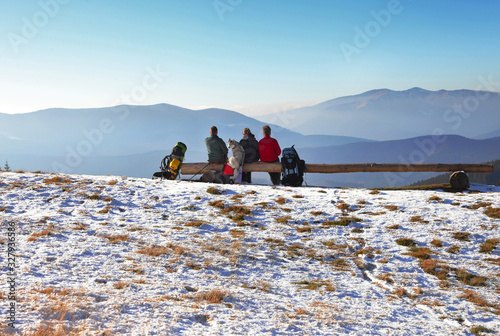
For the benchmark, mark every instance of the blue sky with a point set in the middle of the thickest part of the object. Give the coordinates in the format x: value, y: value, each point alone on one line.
x: 252, y: 56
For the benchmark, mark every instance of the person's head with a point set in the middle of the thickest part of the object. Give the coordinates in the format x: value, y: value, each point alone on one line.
x: 247, y: 131
x: 213, y: 130
x: 266, y: 130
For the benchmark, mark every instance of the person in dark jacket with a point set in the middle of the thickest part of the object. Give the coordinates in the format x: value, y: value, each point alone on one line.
x: 251, y: 147
x: 269, y: 151
x: 217, y: 150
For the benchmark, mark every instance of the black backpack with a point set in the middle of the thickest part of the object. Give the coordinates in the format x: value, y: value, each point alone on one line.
x: 292, y: 168
x: 171, y: 164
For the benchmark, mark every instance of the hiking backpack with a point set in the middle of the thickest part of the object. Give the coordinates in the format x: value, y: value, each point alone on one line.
x: 292, y: 168
x: 171, y: 164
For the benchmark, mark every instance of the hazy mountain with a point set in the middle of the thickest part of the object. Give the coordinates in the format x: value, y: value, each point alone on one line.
x: 80, y: 140
x: 385, y: 114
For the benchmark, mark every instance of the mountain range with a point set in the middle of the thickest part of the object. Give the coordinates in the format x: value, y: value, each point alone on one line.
x: 132, y: 140
x: 388, y: 115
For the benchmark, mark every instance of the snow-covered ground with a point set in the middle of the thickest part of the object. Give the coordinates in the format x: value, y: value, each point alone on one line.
x: 107, y: 255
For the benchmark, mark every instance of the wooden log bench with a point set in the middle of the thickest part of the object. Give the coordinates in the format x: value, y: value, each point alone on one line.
x: 458, y: 179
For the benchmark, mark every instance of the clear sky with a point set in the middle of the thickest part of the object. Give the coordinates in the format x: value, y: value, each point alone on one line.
x: 252, y: 56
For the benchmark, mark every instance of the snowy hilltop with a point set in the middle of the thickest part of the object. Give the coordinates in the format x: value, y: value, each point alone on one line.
x: 108, y: 255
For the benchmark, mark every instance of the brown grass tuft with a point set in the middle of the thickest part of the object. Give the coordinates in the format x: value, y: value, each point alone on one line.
x: 437, y: 243
x: 433, y: 267
x: 405, y: 242
x: 492, y: 212
x: 116, y: 238
x: 57, y: 180
x: 214, y: 191
x: 154, y: 251
x: 489, y: 245
x: 463, y: 236
x: 281, y: 200
x: 473, y: 297
x: 420, y: 252
x: 214, y: 296
x: 470, y: 279
x: 418, y: 219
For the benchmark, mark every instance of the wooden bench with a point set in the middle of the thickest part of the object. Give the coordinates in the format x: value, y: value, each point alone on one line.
x: 458, y: 180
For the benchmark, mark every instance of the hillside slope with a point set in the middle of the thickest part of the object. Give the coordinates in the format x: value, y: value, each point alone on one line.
x: 136, y: 256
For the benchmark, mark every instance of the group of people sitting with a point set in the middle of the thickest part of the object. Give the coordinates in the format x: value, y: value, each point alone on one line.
x: 265, y: 150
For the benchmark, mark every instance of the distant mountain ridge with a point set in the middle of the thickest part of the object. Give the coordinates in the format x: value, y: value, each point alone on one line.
x: 387, y: 115
x: 131, y: 140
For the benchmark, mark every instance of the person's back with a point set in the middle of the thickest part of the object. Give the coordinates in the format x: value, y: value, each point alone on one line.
x: 269, y: 151
x: 216, y: 148
x: 251, y: 147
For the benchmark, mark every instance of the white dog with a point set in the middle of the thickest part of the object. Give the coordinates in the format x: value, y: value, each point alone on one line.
x: 236, y: 161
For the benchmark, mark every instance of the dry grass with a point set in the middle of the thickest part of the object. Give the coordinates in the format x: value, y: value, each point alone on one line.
x: 195, y: 223
x: 115, y: 239
x: 217, y: 204
x: 154, y: 251
x: 420, y: 252
x: 492, y: 212
x: 437, y: 242
x: 418, y: 219
x: 344, y: 207
x: 342, y: 221
x: 315, y: 285
x: 36, y: 235
x: 489, y: 245
x: 237, y: 233
x: 237, y: 209
x: 317, y: 213
x: 453, y: 249
x: 463, y: 236
x: 112, y: 182
x: 94, y: 197
x: 79, y: 226
x: 435, y: 199
x: 121, y: 285
x: 386, y: 277
x: 479, y: 330
x: 283, y: 220
x: 405, y: 242
x: 393, y: 227
x: 475, y: 298
x: 105, y: 210
x: 434, y: 267
x: 214, y: 191
x: 303, y: 229
x: 470, y: 279
x: 391, y: 207
x: 480, y: 205
x: 215, y: 296
x: 281, y: 200
x: 57, y: 180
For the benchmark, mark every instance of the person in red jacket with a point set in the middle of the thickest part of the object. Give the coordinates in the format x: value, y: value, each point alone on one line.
x: 269, y: 151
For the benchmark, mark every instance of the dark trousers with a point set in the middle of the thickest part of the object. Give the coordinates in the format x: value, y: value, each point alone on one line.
x: 275, y: 177
x: 246, y: 177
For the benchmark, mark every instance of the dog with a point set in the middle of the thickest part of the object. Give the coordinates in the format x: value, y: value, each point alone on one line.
x: 236, y: 161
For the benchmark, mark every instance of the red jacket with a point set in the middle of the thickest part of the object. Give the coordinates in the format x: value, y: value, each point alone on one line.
x: 269, y: 149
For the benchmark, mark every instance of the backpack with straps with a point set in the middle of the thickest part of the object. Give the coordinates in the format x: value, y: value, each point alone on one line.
x: 292, y: 168
x: 171, y: 164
